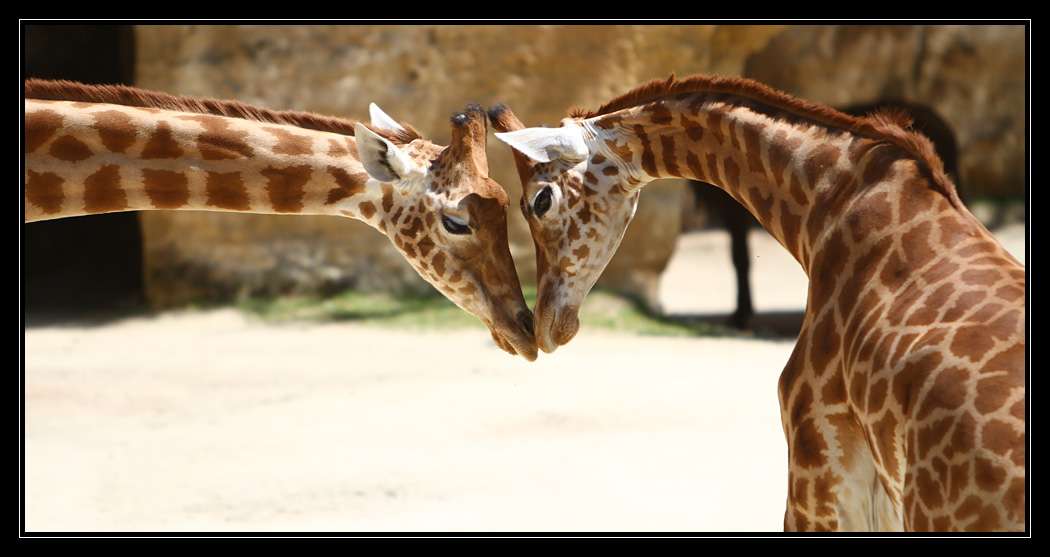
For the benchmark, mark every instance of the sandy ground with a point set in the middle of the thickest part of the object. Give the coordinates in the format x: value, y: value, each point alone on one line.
x: 211, y: 421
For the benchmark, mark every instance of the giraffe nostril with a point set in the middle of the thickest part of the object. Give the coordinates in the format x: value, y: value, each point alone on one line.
x: 525, y: 320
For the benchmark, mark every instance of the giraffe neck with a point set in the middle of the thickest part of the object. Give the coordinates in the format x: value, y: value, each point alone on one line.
x: 87, y: 158
x: 800, y: 179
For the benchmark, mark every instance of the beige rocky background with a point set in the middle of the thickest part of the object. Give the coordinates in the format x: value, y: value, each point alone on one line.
x: 421, y: 74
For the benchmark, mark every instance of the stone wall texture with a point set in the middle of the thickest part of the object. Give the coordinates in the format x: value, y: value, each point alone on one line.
x: 422, y: 74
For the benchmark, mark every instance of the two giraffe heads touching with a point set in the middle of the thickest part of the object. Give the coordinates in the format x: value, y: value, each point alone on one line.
x: 97, y: 149
x: 576, y: 220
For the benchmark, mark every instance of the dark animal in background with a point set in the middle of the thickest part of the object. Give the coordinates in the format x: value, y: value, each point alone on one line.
x: 737, y: 220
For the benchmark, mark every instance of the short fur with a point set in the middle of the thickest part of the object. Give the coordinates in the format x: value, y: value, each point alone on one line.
x: 61, y: 90
x: 892, y: 127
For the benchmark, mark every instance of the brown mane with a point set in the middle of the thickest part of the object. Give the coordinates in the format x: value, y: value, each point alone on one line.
x: 62, y: 90
x: 892, y: 127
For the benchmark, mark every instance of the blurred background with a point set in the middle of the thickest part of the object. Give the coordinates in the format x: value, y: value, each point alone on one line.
x: 213, y: 404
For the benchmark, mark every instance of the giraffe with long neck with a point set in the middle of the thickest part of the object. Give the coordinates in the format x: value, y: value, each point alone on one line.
x: 98, y: 149
x: 903, y: 402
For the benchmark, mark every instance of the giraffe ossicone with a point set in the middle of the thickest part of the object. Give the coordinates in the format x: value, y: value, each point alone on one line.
x: 98, y: 149
x: 904, y: 402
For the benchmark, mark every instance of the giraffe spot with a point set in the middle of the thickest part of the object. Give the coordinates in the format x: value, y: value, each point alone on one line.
x: 851, y: 443
x: 964, y: 437
x: 971, y: 506
x: 669, y: 160
x: 861, y: 277
x: 869, y: 217
x: 1014, y: 500
x: 659, y: 113
x: 894, y: 271
x: 732, y: 173
x: 987, y: 475
x: 336, y: 149
x: 909, y: 381
x: 648, y: 158
x: 986, y: 313
x: 902, y: 303
x: 786, y: 381
x: 803, y: 403
x: 286, y: 187
x: 166, y: 189
x: 161, y: 144
x: 965, y: 302
x: 116, y: 130
x: 425, y: 245
x: 930, y: 436
x: 827, y: 266
x: 981, y: 277
x: 958, y: 480
x: 220, y: 141
x: 882, y: 352
x: 988, y: 521
x: 808, y: 445
x: 693, y: 130
x: 825, y: 344
x: 44, y: 190
x: 289, y: 143
x: 1010, y: 293
x: 916, y: 198
x: 597, y: 159
x: 762, y: 206
x: 438, y: 262
x: 693, y: 163
x: 226, y: 190
x: 609, y: 122
x: 396, y: 219
x: 40, y: 126
x: 714, y: 125
x: 929, y: 490
x: 877, y: 395
x: 918, y: 520
x: 753, y: 150
x: 819, y: 162
x: 790, y: 227
x: 780, y: 152
x: 824, y: 494
x: 367, y: 209
x: 70, y: 149
x: 413, y: 229
x: 939, y: 271
x: 800, y: 492
x: 388, y: 198
x: 880, y: 162
x: 971, y: 342
x: 948, y: 392
x: 581, y: 252
x: 834, y: 391
x: 347, y: 185
x: 1004, y: 440
x: 102, y: 191
x: 916, y: 246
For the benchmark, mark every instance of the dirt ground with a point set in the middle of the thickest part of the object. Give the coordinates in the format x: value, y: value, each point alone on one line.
x: 214, y: 421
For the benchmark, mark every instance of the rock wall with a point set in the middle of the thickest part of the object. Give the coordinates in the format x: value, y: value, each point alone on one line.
x: 422, y: 74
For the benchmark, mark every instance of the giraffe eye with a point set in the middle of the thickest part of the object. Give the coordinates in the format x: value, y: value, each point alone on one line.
x: 542, y: 203
x: 454, y: 225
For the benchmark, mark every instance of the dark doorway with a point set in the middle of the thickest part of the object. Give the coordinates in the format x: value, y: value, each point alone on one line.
x: 83, y: 263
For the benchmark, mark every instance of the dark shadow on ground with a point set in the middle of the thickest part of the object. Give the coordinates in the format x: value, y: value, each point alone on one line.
x: 768, y: 325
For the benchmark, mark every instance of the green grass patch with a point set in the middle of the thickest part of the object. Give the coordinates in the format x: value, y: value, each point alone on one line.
x: 602, y: 309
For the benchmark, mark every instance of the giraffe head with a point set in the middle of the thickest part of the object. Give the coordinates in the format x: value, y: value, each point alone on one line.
x: 448, y: 218
x: 578, y: 196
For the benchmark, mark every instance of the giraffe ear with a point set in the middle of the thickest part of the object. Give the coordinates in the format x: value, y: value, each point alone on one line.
x: 383, y: 160
x: 382, y: 120
x: 548, y: 144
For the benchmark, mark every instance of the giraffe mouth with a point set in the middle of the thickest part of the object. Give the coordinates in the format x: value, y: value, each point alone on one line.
x: 556, y: 326
x: 516, y: 338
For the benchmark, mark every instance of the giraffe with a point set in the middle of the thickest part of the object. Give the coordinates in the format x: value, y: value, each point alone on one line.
x: 98, y: 149
x: 903, y: 402
x: 736, y: 220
